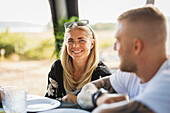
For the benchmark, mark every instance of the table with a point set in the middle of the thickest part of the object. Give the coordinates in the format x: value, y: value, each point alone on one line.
x: 63, y: 104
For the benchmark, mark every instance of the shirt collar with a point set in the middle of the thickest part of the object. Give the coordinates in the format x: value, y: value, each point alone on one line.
x: 164, y: 66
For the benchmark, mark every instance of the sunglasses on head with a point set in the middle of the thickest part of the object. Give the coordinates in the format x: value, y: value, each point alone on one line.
x: 79, y: 23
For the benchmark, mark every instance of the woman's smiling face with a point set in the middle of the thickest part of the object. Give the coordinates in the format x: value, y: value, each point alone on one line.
x: 79, y: 44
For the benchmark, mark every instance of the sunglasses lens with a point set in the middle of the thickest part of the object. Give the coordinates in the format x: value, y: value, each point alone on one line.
x: 67, y: 25
x: 83, y: 22
x: 70, y: 25
x: 79, y: 23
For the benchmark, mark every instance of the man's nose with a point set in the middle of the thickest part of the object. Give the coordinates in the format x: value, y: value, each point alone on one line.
x: 114, y: 46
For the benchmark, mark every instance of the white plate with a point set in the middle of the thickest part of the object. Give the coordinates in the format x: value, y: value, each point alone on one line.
x: 35, y: 105
x: 66, y: 110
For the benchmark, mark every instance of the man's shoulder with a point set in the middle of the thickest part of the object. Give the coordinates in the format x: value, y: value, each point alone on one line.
x: 124, y: 78
x: 123, y: 74
x: 164, y: 75
x: 157, y: 92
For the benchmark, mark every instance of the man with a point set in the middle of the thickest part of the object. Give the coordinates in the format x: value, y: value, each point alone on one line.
x: 141, y: 37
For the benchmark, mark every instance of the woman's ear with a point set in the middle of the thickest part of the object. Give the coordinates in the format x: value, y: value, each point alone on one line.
x: 92, y: 43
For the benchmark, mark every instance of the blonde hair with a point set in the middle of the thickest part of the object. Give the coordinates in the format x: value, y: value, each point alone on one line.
x: 151, y: 18
x: 69, y: 83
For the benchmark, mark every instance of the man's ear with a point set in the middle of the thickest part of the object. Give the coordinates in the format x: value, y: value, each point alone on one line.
x: 92, y: 44
x: 138, y: 46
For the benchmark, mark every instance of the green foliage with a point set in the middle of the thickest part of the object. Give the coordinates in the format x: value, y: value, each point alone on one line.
x: 12, y: 43
x: 9, y: 49
x: 32, y: 46
x: 28, y: 46
x: 42, y: 50
x: 59, y: 31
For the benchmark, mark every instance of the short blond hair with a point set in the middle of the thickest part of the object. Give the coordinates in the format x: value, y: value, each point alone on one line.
x: 147, y: 12
x: 151, y: 17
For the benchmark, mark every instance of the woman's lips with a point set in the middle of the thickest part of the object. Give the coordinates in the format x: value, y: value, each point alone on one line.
x: 76, y: 52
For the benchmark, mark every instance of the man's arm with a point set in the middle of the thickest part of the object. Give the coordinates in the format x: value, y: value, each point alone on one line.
x: 84, y: 98
x: 104, y: 83
x: 123, y: 107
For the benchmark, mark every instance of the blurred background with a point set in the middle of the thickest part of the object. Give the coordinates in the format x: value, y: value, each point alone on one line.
x: 27, y: 38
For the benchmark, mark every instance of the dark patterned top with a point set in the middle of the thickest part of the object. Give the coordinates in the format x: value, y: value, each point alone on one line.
x: 55, y: 88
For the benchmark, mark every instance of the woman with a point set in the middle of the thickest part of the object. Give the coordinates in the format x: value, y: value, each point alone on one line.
x: 79, y: 63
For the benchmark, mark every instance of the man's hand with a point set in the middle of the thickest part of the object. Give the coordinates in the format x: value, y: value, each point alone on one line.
x: 110, y: 98
x: 70, y: 98
x: 84, y: 98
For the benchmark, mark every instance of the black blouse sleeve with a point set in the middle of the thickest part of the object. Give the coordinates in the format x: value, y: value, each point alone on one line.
x: 55, y: 88
x: 101, y: 71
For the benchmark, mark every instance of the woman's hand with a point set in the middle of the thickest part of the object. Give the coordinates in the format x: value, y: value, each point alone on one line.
x: 70, y: 98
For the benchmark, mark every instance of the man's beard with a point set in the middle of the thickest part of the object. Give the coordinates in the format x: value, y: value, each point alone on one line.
x: 128, y: 65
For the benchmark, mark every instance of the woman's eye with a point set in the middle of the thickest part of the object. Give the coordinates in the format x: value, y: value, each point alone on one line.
x: 82, y: 40
x: 70, y: 41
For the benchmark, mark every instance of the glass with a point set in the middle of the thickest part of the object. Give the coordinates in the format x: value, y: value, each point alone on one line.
x: 13, y: 99
x: 79, y: 23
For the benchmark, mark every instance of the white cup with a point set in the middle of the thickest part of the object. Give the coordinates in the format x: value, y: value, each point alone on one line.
x: 13, y: 99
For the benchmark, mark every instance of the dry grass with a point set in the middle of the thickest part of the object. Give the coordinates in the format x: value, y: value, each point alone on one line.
x: 29, y: 75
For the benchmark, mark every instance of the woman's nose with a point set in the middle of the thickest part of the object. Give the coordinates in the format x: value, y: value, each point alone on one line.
x: 76, y: 44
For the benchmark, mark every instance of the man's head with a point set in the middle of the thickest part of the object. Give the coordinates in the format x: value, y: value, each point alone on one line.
x: 140, y: 34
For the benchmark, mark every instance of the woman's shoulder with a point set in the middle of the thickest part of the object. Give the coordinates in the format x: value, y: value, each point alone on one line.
x: 101, y: 67
x: 56, y: 69
x: 101, y: 71
x: 57, y: 63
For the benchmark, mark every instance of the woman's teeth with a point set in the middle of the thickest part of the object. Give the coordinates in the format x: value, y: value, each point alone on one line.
x: 76, y: 51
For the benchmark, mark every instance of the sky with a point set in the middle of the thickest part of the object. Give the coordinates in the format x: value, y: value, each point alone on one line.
x: 109, y: 10
x: 38, y: 11
x: 32, y: 11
